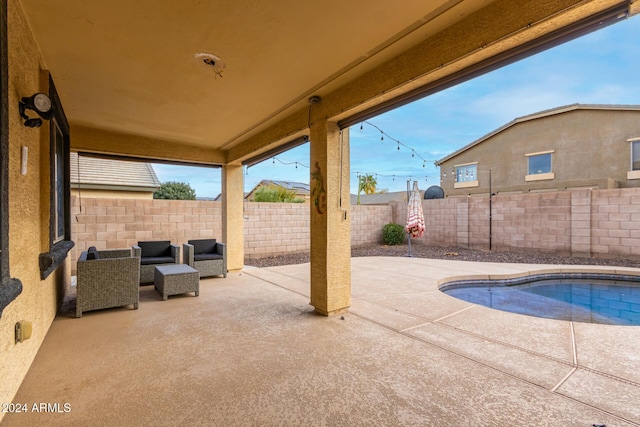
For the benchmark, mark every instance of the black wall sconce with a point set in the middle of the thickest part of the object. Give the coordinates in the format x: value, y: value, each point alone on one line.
x: 41, y: 104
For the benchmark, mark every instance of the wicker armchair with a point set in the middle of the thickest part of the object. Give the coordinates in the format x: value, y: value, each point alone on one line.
x: 207, y: 256
x: 153, y: 254
x: 108, y: 280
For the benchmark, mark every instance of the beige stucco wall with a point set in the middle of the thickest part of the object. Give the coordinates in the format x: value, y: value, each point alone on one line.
x: 590, y: 149
x: 96, y: 140
x: 28, y: 212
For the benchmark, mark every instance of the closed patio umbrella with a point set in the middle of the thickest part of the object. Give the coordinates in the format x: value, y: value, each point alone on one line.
x: 415, y: 216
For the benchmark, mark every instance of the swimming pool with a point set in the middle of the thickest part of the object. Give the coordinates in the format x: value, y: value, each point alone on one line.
x: 580, y: 297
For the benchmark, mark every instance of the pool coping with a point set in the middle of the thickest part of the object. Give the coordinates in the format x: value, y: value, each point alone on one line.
x: 519, y: 279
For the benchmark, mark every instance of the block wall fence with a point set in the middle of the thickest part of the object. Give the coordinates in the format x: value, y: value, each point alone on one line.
x: 596, y: 223
x: 269, y: 228
x: 582, y: 222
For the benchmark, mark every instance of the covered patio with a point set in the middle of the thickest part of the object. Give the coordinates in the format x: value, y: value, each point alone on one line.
x: 227, y: 84
x: 230, y: 84
x: 250, y: 351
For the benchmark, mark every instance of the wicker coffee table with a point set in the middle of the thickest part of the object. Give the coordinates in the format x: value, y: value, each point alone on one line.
x: 176, y: 279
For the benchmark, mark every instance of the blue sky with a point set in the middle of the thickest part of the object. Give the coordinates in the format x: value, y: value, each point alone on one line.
x: 599, y: 68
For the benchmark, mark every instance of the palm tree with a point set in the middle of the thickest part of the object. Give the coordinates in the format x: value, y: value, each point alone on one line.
x: 366, y: 183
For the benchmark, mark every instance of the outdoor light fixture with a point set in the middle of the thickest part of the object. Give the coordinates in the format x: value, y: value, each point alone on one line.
x: 41, y: 104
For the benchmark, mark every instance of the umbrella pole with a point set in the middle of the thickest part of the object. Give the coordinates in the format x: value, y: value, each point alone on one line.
x: 409, y: 234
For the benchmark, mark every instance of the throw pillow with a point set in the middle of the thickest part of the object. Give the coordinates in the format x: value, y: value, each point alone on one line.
x: 92, y: 253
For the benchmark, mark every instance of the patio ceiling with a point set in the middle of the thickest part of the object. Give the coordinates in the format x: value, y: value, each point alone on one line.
x: 131, y: 67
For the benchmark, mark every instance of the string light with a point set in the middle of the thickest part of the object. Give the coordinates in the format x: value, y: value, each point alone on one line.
x: 379, y: 175
x: 383, y: 134
x: 296, y: 163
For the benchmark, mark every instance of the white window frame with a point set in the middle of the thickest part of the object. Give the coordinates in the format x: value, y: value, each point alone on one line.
x: 540, y: 176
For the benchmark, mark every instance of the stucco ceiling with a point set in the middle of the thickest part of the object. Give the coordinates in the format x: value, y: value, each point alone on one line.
x: 129, y: 66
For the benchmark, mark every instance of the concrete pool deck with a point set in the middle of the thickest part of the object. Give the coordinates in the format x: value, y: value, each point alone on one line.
x: 250, y: 351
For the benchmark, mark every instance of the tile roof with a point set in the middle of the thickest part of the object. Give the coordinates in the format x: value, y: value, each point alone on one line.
x: 100, y: 173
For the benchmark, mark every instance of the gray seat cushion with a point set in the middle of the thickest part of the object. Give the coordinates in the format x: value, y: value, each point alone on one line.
x: 156, y: 260
x: 206, y: 257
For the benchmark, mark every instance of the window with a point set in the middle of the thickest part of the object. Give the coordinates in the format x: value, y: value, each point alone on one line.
x: 58, y: 183
x: 634, y: 170
x: 60, y: 200
x: 635, y: 155
x: 539, y: 166
x: 466, y: 175
x: 540, y: 163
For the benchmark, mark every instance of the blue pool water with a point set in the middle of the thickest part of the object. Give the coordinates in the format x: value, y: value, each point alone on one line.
x: 582, y: 300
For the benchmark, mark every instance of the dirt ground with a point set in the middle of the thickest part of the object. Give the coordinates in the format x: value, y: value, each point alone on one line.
x: 462, y: 254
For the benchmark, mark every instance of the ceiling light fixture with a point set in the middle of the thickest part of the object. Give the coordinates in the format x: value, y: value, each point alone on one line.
x: 211, y: 60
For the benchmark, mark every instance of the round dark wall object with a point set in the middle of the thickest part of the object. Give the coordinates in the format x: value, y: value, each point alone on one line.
x: 434, y: 192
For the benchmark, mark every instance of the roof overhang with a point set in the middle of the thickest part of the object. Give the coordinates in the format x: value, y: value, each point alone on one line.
x: 131, y: 83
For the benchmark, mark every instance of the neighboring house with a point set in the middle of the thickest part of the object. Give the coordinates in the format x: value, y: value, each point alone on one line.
x: 574, y: 146
x: 301, y: 190
x: 100, y: 177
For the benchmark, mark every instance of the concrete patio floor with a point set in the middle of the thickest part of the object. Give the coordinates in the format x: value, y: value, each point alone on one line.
x: 250, y: 351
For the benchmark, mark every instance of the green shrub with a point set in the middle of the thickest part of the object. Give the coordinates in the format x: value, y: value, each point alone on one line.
x: 393, y: 234
x: 173, y: 190
x: 276, y: 194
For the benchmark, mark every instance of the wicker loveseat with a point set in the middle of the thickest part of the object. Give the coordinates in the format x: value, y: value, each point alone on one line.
x: 207, y: 256
x: 106, y: 279
x: 155, y: 253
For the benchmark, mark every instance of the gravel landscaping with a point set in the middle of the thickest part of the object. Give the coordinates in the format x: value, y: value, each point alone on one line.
x: 461, y: 254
